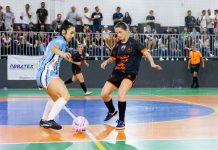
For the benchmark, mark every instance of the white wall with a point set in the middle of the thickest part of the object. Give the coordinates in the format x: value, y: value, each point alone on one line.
x: 167, y: 12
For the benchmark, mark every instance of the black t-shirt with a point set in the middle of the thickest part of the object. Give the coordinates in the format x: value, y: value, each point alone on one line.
x: 97, y: 21
x: 77, y: 57
x: 117, y: 16
x: 42, y: 14
x: 150, y: 18
x: 128, y: 56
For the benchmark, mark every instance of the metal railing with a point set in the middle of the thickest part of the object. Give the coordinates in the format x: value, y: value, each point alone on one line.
x: 99, y: 46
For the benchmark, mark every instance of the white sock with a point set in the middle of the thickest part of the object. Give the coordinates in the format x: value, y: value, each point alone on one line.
x: 58, y: 105
x: 47, y: 110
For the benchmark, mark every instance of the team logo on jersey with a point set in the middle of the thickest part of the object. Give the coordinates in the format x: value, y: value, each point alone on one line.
x: 123, y: 47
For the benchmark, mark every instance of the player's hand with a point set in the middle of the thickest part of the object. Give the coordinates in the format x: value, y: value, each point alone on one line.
x: 103, y: 65
x: 67, y: 56
x: 87, y: 64
x: 156, y: 66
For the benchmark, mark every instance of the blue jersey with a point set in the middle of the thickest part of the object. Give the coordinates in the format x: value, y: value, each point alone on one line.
x: 49, y: 65
x: 50, y: 60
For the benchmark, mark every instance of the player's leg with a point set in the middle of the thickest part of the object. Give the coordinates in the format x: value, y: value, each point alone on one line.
x: 105, y: 95
x: 56, y: 89
x: 125, y: 86
x: 81, y: 79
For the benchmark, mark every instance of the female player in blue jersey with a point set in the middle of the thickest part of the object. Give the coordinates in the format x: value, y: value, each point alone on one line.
x: 127, y: 54
x: 48, y: 75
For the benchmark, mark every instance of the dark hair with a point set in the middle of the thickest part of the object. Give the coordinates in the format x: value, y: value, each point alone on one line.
x: 122, y: 25
x: 65, y: 25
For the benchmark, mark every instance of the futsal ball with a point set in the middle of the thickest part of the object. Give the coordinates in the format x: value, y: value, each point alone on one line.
x: 80, y: 123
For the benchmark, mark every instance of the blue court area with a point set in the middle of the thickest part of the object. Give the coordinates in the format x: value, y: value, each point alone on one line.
x: 138, y: 111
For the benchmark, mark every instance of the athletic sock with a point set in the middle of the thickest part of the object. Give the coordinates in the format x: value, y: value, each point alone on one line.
x: 68, y: 81
x: 122, y: 110
x: 83, y: 86
x: 47, y: 110
x: 110, y: 106
x: 57, y: 107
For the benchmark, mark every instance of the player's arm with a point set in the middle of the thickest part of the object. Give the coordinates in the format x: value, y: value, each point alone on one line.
x: 108, y: 61
x: 202, y: 62
x: 55, y: 49
x: 150, y: 59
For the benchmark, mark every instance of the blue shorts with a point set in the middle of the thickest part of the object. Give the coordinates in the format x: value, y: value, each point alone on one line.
x: 43, y: 77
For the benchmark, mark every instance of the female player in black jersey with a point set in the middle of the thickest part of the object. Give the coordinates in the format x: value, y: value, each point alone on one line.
x: 79, y: 56
x: 127, y: 55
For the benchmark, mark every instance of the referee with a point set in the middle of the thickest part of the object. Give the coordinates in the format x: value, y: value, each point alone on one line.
x: 195, y: 58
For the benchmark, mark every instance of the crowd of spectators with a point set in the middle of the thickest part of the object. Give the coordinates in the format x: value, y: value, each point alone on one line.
x: 98, y: 39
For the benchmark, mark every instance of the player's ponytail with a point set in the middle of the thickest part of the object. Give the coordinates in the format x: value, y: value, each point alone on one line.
x: 65, y: 25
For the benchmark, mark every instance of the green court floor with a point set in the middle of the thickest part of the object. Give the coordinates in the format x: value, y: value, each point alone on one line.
x: 133, y: 91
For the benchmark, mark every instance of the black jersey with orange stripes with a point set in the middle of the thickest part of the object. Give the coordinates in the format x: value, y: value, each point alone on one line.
x: 128, y: 56
x: 77, y: 57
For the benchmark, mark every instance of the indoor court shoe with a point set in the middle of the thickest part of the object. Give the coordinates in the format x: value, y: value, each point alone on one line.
x: 120, y: 125
x: 41, y: 122
x: 110, y: 115
x: 51, y: 124
x: 196, y: 86
x: 88, y: 93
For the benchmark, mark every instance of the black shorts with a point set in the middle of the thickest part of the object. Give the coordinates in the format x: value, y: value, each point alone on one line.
x: 195, y: 68
x: 76, y: 71
x: 117, y: 77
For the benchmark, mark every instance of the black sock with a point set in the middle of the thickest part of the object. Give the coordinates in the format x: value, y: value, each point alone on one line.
x: 196, y: 80
x: 83, y: 86
x: 122, y: 110
x: 110, y: 106
x: 193, y: 81
x: 68, y: 81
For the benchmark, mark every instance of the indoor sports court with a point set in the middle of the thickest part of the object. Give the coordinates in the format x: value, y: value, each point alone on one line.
x: 156, y: 118
x: 108, y: 75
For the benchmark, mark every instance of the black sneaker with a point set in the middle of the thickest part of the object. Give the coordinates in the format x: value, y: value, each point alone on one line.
x: 51, y: 124
x: 197, y: 86
x: 110, y: 115
x: 41, y: 123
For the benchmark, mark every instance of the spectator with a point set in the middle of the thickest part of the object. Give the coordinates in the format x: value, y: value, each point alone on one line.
x: 150, y: 19
x: 117, y: 16
x: 9, y: 19
x: 1, y: 19
x: 97, y: 44
x: 186, y: 42
x: 194, y: 34
x: 210, y: 22
x: 190, y: 21
x: 56, y: 24
x: 163, y: 47
x: 105, y: 32
x: 31, y: 27
x: 26, y: 17
x: 97, y: 18
x: 42, y: 15
x: 216, y: 21
x: 202, y: 20
x: 127, y: 19
x: 73, y: 16
x: 87, y: 18
x: 110, y: 41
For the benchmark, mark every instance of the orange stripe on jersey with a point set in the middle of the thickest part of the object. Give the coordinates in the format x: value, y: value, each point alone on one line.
x: 113, y: 58
x: 144, y: 50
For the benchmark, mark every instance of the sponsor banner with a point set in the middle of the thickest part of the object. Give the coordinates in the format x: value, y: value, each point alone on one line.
x: 22, y: 67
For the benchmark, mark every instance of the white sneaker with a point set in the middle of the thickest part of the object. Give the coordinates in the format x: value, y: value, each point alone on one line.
x: 211, y: 55
x: 167, y: 58
x: 206, y: 59
x: 88, y: 93
x: 177, y: 59
x: 161, y: 59
x: 185, y: 59
x: 172, y: 59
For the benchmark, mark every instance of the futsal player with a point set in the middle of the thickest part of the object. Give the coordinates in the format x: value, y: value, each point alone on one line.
x: 48, y: 75
x: 127, y: 54
x: 78, y: 56
x: 195, y: 58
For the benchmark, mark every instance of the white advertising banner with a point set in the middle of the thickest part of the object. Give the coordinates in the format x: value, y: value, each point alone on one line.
x: 22, y: 67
